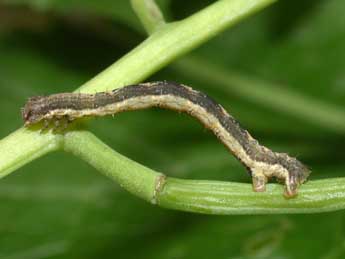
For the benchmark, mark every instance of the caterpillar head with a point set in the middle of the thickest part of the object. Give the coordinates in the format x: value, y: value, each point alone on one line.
x: 33, y: 111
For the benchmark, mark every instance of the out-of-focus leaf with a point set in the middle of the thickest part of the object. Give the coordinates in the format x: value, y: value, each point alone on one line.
x: 118, y: 10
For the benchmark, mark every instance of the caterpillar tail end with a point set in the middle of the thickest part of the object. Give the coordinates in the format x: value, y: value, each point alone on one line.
x: 292, y: 180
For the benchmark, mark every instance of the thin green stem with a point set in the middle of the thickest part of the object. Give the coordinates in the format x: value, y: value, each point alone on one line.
x: 267, y: 94
x: 149, y: 14
x: 135, y: 178
x: 23, y: 146
x: 202, y: 196
x: 224, y: 198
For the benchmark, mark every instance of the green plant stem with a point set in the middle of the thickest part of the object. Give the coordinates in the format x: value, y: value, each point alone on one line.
x: 135, y: 178
x: 224, y: 198
x: 201, y: 196
x: 266, y: 94
x: 23, y: 146
x: 149, y: 14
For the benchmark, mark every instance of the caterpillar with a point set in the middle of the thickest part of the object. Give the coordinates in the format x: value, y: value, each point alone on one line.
x: 261, y: 162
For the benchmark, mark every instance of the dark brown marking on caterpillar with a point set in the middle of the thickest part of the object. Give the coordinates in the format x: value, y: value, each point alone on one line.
x: 259, y: 160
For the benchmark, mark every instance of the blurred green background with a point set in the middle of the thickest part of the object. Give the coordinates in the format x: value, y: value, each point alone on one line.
x: 59, y: 207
